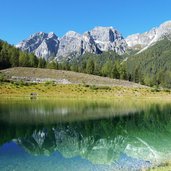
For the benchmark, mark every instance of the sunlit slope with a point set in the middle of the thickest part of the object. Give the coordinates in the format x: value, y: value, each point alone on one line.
x: 67, y: 77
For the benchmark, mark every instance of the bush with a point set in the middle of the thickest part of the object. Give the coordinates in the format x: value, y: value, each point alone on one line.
x: 93, y: 87
x: 86, y: 85
x: 105, y: 88
x: 50, y: 83
x: 19, y: 83
x: 2, y: 77
x: 167, y: 90
x: 155, y: 90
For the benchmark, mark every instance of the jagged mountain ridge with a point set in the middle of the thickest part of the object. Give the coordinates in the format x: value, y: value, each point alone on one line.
x: 145, y: 40
x: 95, y: 41
x: 42, y: 44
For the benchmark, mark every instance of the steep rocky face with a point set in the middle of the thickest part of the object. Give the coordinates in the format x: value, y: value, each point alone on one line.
x: 89, y: 44
x: 42, y: 44
x: 145, y: 40
x: 69, y: 43
x: 95, y: 41
x: 33, y: 42
x: 139, y: 41
x: 107, y: 38
x: 74, y: 44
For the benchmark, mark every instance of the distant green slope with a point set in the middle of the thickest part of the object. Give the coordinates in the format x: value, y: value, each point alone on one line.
x: 153, y: 66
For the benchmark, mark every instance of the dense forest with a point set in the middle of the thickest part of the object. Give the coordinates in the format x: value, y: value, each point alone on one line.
x: 151, y: 67
x: 13, y: 57
x: 107, y: 64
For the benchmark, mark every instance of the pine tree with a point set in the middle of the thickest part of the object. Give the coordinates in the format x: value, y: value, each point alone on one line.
x: 4, y: 59
x: 24, y: 60
x: 115, y: 71
x: 90, y: 66
x: 14, y: 57
x: 136, y: 75
x: 107, y: 68
x: 33, y: 60
x: 42, y: 63
x: 52, y: 65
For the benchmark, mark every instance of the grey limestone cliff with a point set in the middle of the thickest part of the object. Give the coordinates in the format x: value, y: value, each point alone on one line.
x: 95, y: 41
x: 145, y: 40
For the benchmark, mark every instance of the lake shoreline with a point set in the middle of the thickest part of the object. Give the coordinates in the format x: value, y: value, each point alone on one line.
x: 51, y: 90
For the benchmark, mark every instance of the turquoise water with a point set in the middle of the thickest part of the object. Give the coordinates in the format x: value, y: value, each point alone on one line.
x: 81, y: 135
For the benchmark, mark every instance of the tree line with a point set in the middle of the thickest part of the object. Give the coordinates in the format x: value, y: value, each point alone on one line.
x: 13, y: 57
x: 153, y: 66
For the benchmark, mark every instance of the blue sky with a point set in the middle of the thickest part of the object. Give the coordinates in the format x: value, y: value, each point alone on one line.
x: 20, y: 18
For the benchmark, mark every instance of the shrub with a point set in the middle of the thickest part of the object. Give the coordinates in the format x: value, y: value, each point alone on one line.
x: 50, y: 83
x: 167, y: 90
x: 19, y: 83
x: 86, y: 85
x: 2, y: 77
x: 155, y: 90
x: 93, y: 87
x: 105, y: 88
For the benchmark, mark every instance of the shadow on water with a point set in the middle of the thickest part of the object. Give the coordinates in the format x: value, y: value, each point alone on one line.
x: 104, y: 133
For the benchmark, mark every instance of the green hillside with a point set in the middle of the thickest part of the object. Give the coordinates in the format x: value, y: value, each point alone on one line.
x: 152, y: 66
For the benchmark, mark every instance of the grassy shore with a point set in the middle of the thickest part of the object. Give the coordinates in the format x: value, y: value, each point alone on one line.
x: 79, y: 85
x: 50, y: 89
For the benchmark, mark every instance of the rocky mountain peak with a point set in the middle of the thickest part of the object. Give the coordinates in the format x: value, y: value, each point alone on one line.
x: 108, y: 38
x: 96, y: 41
x: 143, y: 41
x: 69, y: 43
x: 40, y: 43
x: 72, y: 34
x: 166, y: 25
x: 105, y: 34
x: 52, y: 35
x: 38, y: 34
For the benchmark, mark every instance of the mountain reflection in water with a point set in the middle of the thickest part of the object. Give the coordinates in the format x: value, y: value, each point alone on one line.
x: 97, y: 135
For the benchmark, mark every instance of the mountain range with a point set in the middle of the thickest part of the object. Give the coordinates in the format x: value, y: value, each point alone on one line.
x: 97, y: 40
x: 145, y: 40
x: 71, y: 44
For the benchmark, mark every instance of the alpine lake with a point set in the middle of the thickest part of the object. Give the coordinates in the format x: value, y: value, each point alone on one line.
x: 84, y: 135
